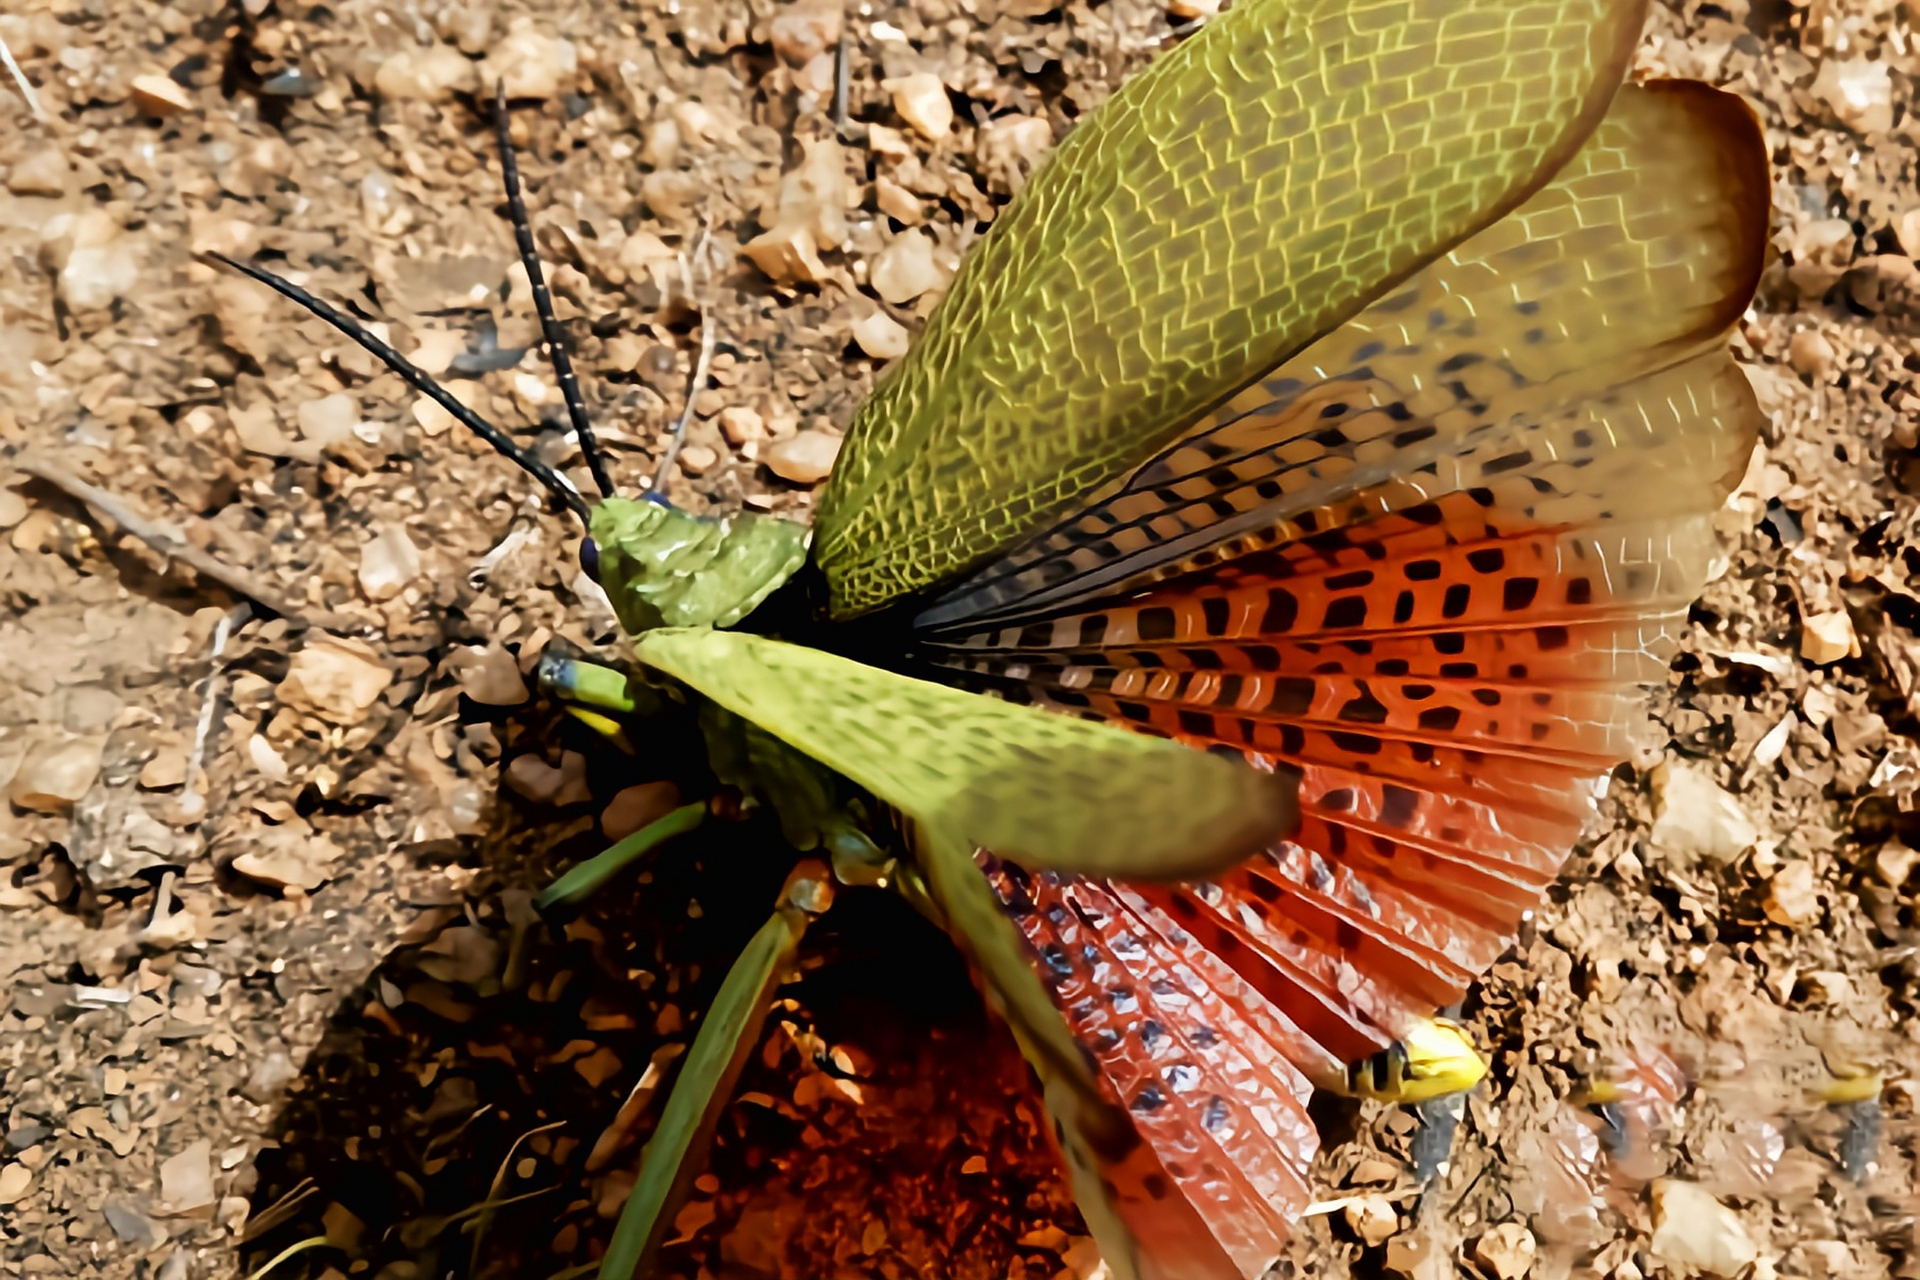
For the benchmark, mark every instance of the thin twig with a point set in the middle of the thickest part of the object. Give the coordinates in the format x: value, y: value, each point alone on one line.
x: 191, y: 798
x: 485, y: 1220
x: 700, y: 366
x: 297, y: 1247
x: 841, y: 59
x: 169, y: 543
x: 21, y: 82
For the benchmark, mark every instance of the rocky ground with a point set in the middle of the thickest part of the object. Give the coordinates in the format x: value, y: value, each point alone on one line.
x: 269, y: 975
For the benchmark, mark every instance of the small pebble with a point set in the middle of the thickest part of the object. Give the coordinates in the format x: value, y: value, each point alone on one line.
x: 1895, y: 862
x: 1050, y: 1238
x: 167, y: 769
x: 468, y: 25
x: 1793, y: 898
x: 131, y: 1224
x: 437, y: 350
x: 660, y: 146
x: 381, y: 204
x: 598, y: 1067
x: 634, y: 807
x: 532, y: 63
x: 97, y: 277
x: 813, y: 195
x: 905, y: 268
x: 186, y: 1179
x: 101, y: 264
x: 493, y: 680
x: 1859, y: 91
x: 805, y: 29
x: 432, y: 74
x: 1188, y: 10
x: 330, y: 420
x: 881, y: 336
x: 805, y: 458
x: 271, y: 764
x: 922, y: 102
x: 15, y: 1180
x: 671, y: 194
x: 1692, y: 1229
x: 1694, y: 817
x: 1810, y: 354
x: 1016, y: 142
x: 641, y: 251
x: 1506, y: 1251
x: 1828, y: 637
x: 1415, y: 1255
x: 1906, y: 229
x: 336, y: 678
x: 897, y: 202
x: 1373, y: 1170
x: 44, y: 171
x: 288, y: 858
x: 160, y: 96
x: 787, y: 255
x: 272, y: 1072
x: 738, y: 423
x: 388, y: 563
x: 1372, y: 1218
x: 292, y: 83
x: 559, y: 785
x: 52, y: 780
x: 1081, y: 1260
x: 235, y: 237
x: 697, y: 122
x: 698, y: 459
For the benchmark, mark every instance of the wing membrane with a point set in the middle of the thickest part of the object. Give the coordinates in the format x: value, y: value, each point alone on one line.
x: 1642, y: 252
x: 1248, y: 192
x: 1178, y: 1117
x: 1440, y: 613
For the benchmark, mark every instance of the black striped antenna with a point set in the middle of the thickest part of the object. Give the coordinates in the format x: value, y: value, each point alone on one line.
x: 543, y: 301
x: 419, y: 380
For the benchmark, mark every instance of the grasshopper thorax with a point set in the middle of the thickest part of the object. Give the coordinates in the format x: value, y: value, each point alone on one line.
x: 665, y: 567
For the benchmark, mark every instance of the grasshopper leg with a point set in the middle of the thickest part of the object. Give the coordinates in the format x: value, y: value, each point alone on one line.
x: 582, y: 881
x: 677, y: 1151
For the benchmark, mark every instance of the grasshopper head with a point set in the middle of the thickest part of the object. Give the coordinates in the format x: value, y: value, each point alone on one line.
x: 664, y: 567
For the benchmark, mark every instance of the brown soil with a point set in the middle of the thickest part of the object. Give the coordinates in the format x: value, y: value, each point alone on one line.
x: 358, y: 1031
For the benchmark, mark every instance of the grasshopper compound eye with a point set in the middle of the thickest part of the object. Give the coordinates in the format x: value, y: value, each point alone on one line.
x: 590, y: 558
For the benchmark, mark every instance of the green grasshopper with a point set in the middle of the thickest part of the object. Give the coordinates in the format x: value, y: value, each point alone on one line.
x: 1219, y: 619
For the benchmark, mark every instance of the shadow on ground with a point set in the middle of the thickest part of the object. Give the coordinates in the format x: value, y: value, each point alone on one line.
x: 884, y: 1120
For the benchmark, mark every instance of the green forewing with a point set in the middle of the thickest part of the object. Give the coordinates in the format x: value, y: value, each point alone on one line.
x: 1045, y: 790
x: 1246, y: 193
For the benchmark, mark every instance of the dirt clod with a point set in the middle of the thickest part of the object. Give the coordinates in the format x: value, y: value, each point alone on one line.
x: 1692, y: 1229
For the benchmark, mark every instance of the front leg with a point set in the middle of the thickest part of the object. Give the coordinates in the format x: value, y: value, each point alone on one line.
x: 676, y: 1153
